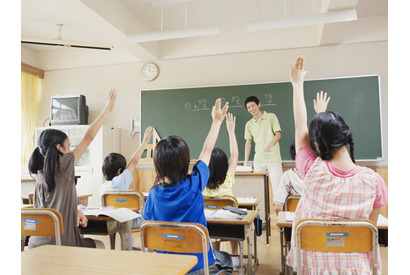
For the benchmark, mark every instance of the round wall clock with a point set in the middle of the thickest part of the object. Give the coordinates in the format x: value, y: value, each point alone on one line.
x: 149, y: 71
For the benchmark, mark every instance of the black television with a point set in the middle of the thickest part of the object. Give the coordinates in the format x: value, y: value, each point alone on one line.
x: 68, y: 110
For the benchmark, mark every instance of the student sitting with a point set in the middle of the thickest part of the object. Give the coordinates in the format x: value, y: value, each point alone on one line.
x: 177, y: 196
x: 335, y: 187
x: 118, y: 174
x: 222, y: 177
x: 53, y: 164
x: 291, y: 183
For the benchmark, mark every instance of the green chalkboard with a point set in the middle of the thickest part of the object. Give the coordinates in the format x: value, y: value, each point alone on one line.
x: 186, y: 112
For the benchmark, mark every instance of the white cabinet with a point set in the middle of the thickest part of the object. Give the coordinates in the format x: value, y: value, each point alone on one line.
x: 89, y: 166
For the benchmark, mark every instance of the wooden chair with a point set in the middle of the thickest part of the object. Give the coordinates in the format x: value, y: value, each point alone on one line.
x: 291, y: 203
x: 127, y: 199
x: 336, y: 236
x: 219, y: 202
x: 41, y: 222
x: 178, y: 237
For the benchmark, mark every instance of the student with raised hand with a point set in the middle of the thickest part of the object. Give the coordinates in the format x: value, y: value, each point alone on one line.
x: 117, y: 173
x: 335, y: 187
x: 52, y: 162
x: 291, y: 183
x: 222, y: 176
x: 176, y: 195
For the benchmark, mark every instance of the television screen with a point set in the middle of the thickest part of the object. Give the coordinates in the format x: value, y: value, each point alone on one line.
x: 64, y: 108
x: 68, y: 110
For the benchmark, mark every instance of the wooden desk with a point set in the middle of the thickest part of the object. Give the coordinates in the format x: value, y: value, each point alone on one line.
x: 283, y: 224
x: 236, y: 230
x: 52, y: 259
x: 256, y: 185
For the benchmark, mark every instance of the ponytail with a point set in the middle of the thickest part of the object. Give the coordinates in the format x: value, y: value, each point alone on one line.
x: 36, y: 162
x: 51, y: 161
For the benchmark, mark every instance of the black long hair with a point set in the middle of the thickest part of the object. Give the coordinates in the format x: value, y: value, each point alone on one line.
x: 171, y: 160
x: 46, y: 156
x: 218, y: 167
x: 330, y: 131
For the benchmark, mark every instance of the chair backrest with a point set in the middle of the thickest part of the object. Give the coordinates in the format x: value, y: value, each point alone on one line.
x: 179, y: 237
x: 219, y: 202
x: 42, y: 222
x: 127, y: 199
x: 291, y: 203
x: 336, y: 236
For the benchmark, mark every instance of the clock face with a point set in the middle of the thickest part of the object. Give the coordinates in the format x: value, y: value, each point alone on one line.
x: 149, y: 71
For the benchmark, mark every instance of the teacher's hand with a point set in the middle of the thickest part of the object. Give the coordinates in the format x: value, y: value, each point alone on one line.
x: 267, y: 148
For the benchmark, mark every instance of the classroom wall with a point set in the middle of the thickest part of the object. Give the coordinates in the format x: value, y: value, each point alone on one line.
x: 230, y: 69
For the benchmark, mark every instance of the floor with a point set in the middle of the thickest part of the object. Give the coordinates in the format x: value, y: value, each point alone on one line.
x: 269, y: 256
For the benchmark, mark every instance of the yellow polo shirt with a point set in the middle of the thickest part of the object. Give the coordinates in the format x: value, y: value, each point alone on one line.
x: 262, y: 132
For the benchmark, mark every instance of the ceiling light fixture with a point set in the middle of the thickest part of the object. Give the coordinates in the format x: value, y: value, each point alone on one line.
x: 66, y: 43
x: 307, y: 20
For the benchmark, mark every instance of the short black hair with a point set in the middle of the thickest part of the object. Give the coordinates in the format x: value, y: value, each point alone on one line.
x: 292, y: 150
x: 171, y: 160
x: 112, y: 163
x: 218, y: 167
x: 251, y: 98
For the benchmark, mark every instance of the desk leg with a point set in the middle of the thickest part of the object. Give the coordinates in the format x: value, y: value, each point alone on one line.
x: 249, y: 239
x: 283, y: 269
x: 267, y: 208
x: 125, y: 233
x: 241, y: 267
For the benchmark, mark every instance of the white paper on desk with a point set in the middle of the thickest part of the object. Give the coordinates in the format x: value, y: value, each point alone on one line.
x: 222, y: 214
x: 382, y: 220
x: 243, y: 169
x: 119, y: 214
x: 290, y: 216
x: 243, y: 200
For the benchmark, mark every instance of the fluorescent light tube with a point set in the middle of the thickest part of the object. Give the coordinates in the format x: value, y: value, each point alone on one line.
x: 67, y: 43
x: 172, y: 34
x: 314, y: 19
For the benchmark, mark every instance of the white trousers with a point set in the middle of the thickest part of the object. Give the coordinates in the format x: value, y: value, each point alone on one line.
x: 273, y: 169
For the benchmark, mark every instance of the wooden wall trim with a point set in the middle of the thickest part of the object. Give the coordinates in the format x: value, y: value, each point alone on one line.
x: 32, y: 70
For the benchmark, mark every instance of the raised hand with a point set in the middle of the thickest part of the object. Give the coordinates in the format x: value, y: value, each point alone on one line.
x: 218, y: 113
x: 230, y: 122
x: 111, y: 98
x: 297, y: 72
x: 148, y: 134
x: 320, y: 103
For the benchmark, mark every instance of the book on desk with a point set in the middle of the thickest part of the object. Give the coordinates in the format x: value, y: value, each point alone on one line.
x: 119, y: 214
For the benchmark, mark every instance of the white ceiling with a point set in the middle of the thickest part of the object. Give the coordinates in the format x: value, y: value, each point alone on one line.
x: 113, y: 21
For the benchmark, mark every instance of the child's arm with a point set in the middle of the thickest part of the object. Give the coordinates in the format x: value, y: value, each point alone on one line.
x: 135, y: 158
x: 233, y: 144
x: 218, y: 115
x: 320, y: 103
x: 297, y: 75
x: 95, y: 126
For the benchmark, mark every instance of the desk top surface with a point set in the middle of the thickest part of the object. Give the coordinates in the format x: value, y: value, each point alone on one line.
x: 246, y: 220
x: 282, y: 222
x: 49, y: 259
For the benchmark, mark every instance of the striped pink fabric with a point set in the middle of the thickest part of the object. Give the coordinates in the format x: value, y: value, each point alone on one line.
x: 330, y: 197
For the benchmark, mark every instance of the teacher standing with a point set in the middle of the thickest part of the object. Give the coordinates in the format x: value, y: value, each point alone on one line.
x: 264, y: 130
